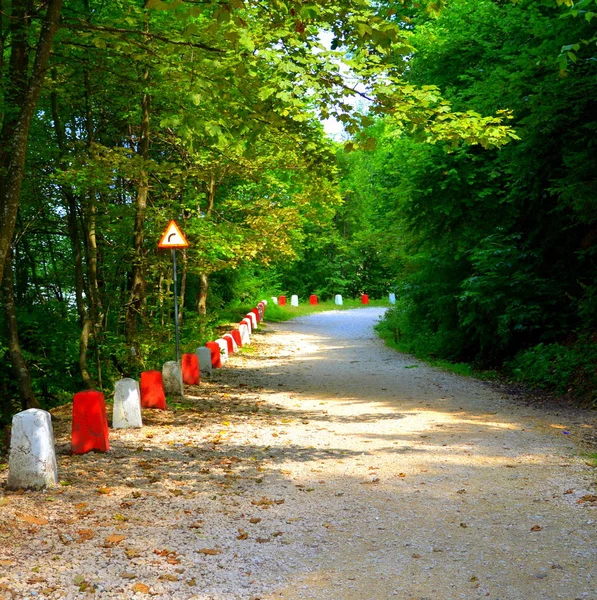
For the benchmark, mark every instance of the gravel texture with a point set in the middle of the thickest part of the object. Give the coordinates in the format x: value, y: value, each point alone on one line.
x: 317, y: 464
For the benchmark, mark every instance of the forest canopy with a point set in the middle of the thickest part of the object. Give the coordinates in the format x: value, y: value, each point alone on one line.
x: 466, y: 183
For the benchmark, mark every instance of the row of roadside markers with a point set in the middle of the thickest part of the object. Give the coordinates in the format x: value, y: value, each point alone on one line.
x: 294, y: 301
x: 32, y: 460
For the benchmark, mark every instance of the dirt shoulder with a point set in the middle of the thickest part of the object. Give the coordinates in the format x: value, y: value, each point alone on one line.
x: 319, y: 464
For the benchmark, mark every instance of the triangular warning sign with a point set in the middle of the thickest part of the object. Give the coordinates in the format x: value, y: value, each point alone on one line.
x: 173, y: 237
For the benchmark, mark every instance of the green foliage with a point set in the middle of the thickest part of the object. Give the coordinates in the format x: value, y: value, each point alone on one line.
x: 494, y: 252
x: 564, y: 369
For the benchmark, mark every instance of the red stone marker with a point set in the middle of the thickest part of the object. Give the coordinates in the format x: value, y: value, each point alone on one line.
x: 152, y: 390
x: 229, y: 343
x: 216, y: 360
x: 190, y: 369
x: 235, y: 333
x: 257, y: 314
x: 282, y: 300
x: 90, y: 425
x: 364, y: 299
x: 312, y: 299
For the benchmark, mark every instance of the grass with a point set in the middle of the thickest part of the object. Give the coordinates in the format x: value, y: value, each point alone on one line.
x: 277, y: 313
x: 458, y: 368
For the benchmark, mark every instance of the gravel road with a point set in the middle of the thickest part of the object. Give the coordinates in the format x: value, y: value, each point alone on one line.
x: 318, y: 465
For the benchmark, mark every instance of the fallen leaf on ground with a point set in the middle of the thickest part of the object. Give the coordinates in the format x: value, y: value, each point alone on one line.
x: 114, y: 539
x: 254, y: 520
x: 168, y: 577
x: 266, y: 502
x: 587, y: 498
x: 86, y: 534
x: 141, y: 588
x: 536, y: 528
x: 209, y: 551
x: 104, y: 490
x: 33, y: 520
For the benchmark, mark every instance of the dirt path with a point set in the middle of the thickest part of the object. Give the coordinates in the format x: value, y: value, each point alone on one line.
x: 320, y: 465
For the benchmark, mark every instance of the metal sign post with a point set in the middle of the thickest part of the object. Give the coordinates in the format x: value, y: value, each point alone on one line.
x: 174, y: 238
x: 176, y: 337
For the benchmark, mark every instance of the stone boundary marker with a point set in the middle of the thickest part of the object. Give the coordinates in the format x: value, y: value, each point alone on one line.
x: 245, y: 333
x: 237, y: 338
x: 204, y: 356
x: 313, y: 299
x: 253, y: 318
x: 223, y: 345
x: 172, y: 378
x: 127, y: 404
x: 32, y: 459
x: 294, y: 300
x: 232, y: 345
x: 249, y: 323
x: 392, y: 298
x: 216, y: 359
x: 338, y: 299
x: 282, y: 300
x: 90, y: 424
x: 191, y: 374
x: 364, y: 299
x: 152, y: 390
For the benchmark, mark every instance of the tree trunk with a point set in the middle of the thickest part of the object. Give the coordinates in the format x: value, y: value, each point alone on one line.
x: 73, y: 230
x: 202, y: 296
x: 136, y: 303
x: 210, y: 190
x: 96, y: 309
x: 19, y: 367
x: 15, y: 133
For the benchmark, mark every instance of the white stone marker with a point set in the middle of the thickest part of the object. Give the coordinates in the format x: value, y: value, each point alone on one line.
x: 294, y: 300
x: 392, y: 298
x: 127, y: 404
x: 172, y: 376
x: 204, y: 356
x: 253, y: 318
x: 249, y: 324
x: 32, y: 460
x: 245, y: 336
x: 338, y: 299
x: 274, y: 299
x: 223, y: 349
x: 229, y: 336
